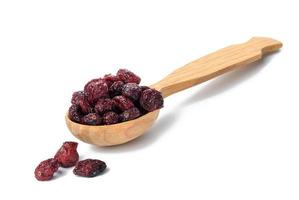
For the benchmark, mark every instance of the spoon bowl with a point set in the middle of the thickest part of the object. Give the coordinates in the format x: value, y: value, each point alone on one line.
x: 108, y: 135
x: 198, y: 71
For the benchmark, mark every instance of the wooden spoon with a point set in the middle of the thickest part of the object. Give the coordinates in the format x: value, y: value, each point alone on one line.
x: 198, y: 71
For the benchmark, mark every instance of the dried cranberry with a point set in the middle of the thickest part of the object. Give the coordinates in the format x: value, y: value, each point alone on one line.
x: 143, y: 87
x: 110, y: 79
x: 131, y: 90
x: 96, y: 89
x: 128, y: 76
x: 76, y: 96
x: 75, y: 114
x: 92, y: 119
x: 110, y: 118
x: 151, y: 99
x: 116, y: 88
x: 89, y: 167
x: 85, y: 107
x: 122, y: 103
x: 129, y: 114
x: 142, y: 110
x: 80, y: 99
x: 46, y: 169
x: 103, y: 105
x: 67, y: 155
x: 113, y: 99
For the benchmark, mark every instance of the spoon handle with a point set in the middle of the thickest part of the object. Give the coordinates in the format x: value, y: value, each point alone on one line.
x: 215, y: 64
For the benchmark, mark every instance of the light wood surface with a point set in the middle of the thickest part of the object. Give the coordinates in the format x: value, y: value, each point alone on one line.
x: 215, y: 64
x: 196, y: 72
x: 112, y: 134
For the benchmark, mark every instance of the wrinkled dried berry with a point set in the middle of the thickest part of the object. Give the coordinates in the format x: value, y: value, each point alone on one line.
x: 89, y: 168
x: 76, y: 96
x: 151, y: 99
x: 103, y: 105
x: 85, y: 107
x: 75, y: 114
x: 110, y: 79
x: 67, y: 155
x: 143, y: 87
x: 80, y: 99
x: 110, y: 118
x: 132, y: 91
x: 129, y: 114
x: 92, y: 119
x: 123, y: 103
x: 113, y: 99
x: 128, y: 76
x: 46, y: 169
x: 142, y: 110
x: 116, y: 88
x: 96, y: 89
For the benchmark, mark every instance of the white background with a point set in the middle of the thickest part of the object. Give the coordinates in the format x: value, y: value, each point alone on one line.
x: 235, y: 137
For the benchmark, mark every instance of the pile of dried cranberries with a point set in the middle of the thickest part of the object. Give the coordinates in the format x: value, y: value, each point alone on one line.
x: 67, y: 156
x: 113, y: 99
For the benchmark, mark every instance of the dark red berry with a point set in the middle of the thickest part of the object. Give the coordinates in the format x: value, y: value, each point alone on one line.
x: 151, y: 99
x: 129, y: 114
x: 92, y: 119
x: 76, y: 96
x: 143, y: 87
x: 122, y: 103
x: 142, y: 110
x: 128, y: 76
x: 96, y: 89
x: 46, y: 169
x: 75, y: 114
x: 85, y: 107
x: 113, y: 99
x: 89, y: 168
x: 132, y: 91
x: 103, y: 105
x: 116, y: 88
x: 67, y: 155
x: 110, y: 118
x: 80, y: 99
x: 110, y: 79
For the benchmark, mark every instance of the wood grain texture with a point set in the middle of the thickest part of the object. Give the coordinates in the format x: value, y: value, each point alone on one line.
x: 187, y: 76
x: 112, y: 134
x: 215, y: 64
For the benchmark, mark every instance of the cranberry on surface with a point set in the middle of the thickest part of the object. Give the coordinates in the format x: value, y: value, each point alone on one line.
x: 67, y: 155
x: 46, y: 169
x: 89, y: 168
